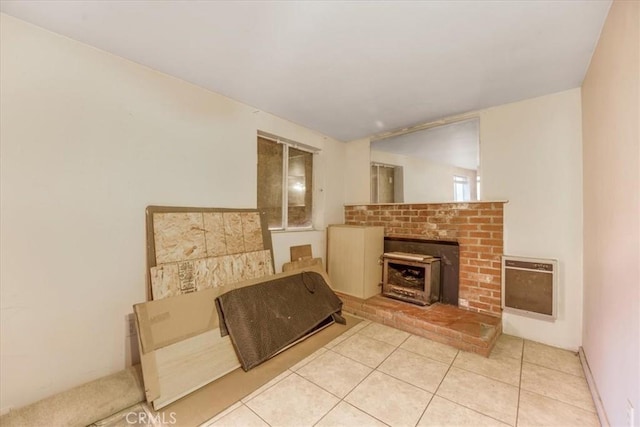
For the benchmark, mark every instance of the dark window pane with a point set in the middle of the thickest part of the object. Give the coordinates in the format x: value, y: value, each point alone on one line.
x: 270, y: 180
x: 300, y: 188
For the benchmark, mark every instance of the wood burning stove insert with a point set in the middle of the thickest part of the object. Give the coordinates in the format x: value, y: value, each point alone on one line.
x: 409, y: 277
x: 447, y: 251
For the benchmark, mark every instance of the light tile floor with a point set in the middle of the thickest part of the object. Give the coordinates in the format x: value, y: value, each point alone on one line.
x: 374, y: 375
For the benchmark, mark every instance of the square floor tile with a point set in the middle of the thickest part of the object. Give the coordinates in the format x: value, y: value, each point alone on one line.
x: 335, y: 373
x: 444, y: 413
x: 362, y: 324
x: 308, y: 359
x: 415, y: 369
x: 557, y: 385
x: 553, y: 358
x: 364, y: 350
x: 267, y: 386
x: 498, y: 367
x: 334, y: 342
x: 485, y: 395
x: 384, y: 333
x: 389, y: 400
x: 294, y: 402
x: 431, y: 349
x: 508, y: 345
x: 536, y: 410
x: 240, y: 417
x: 345, y: 415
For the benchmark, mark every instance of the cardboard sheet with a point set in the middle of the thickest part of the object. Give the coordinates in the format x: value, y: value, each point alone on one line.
x: 175, y: 332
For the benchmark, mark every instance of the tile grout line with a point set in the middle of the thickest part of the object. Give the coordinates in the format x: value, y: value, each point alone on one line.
x: 561, y: 401
x: 369, y: 374
x: 464, y: 406
x: 257, y: 415
x: 328, y: 391
x: 376, y: 370
x: 576, y: 354
x: 266, y: 389
x: 474, y: 410
x: 430, y: 400
x: 554, y: 369
x: 520, y: 384
x: 373, y: 370
x: 342, y: 399
x: 428, y: 357
x: 386, y: 342
x: 322, y: 388
x: 554, y: 398
x: 365, y: 336
x: 437, y: 388
x: 450, y: 366
x: 488, y: 377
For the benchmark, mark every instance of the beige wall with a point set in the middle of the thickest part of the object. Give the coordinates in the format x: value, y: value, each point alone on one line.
x: 530, y: 155
x: 358, y: 170
x: 426, y: 181
x: 611, y: 115
x: 88, y: 141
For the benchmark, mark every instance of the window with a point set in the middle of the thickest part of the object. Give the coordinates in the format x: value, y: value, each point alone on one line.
x: 461, y: 188
x: 285, y: 183
x: 386, y: 183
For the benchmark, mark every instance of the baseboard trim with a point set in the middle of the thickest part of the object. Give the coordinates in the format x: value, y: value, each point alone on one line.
x: 602, y: 415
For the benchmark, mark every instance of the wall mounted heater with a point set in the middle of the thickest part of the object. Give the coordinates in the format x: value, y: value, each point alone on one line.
x: 530, y: 286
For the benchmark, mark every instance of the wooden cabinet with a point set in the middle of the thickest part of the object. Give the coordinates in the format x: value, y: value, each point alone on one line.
x: 353, y: 259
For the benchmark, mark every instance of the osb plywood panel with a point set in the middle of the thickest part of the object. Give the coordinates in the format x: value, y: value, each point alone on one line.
x: 214, y: 234
x: 252, y: 232
x: 190, y: 249
x: 190, y: 276
x: 179, y: 236
x: 233, y: 233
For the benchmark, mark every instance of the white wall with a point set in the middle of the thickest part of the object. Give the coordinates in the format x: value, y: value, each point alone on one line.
x: 88, y: 140
x: 531, y: 155
x: 611, y: 108
x: 357, y: 182
x: 425, y: 181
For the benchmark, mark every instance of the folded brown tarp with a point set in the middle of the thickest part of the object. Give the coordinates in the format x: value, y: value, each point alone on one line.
x: 265, y: 318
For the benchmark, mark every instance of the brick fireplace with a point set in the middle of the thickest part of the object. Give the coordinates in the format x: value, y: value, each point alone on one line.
x: 476, y: 226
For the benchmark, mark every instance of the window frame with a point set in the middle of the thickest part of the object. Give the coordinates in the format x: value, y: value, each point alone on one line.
x: 466, y: 188
x: 287, y: 144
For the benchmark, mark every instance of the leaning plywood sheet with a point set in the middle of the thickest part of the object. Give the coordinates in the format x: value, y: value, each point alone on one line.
x: 191, y: 249
x: 182, y: 277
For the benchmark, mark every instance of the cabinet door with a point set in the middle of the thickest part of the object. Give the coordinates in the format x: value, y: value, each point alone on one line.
x: 373, y: 249
x: 346, y: 259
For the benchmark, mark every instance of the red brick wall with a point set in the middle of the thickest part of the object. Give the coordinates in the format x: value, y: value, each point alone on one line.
x: 477, y: 227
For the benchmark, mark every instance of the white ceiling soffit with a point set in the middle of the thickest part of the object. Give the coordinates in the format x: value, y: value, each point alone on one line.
x: 454, y: 144
x: 346, y: 69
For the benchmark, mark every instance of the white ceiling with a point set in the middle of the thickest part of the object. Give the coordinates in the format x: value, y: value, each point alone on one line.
x: 347, y: 69
x: 454, y: 144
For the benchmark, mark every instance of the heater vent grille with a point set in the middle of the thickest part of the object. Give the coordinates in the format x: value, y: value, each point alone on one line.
x: 529, y: 286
